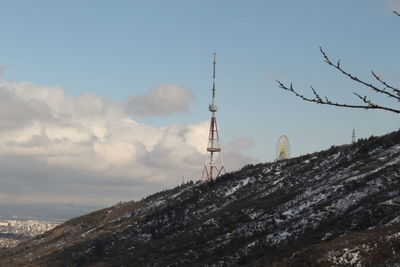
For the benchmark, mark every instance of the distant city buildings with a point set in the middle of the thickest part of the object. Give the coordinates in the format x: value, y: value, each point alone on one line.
x: 14, y: 231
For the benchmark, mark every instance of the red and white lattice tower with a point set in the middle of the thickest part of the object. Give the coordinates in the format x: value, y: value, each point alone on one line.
x: 214, y: 165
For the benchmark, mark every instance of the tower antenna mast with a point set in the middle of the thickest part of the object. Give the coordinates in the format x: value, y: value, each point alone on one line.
x: 213, y: 86
x: 214, y: 165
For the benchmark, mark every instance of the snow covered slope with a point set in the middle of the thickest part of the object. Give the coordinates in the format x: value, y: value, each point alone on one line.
x: 268, y: 214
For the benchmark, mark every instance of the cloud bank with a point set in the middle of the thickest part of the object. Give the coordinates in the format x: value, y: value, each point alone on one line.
x: 164, y: 99
x: 89, y: 150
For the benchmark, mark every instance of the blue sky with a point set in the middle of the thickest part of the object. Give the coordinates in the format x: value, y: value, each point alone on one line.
x: 123, y: 48
x: 120, y: 49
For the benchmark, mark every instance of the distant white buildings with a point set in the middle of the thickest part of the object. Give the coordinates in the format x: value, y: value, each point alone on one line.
x: 28, y: 227
x: 20, y: 230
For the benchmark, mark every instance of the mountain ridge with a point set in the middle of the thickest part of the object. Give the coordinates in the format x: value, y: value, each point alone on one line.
x: 284, y: 213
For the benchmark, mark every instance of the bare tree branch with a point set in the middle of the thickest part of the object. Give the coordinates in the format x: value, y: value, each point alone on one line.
x: 385, y: 84
x: 317, y: 99
x: 393, y: 92
x: 366, y: 100
x: 354, y: 78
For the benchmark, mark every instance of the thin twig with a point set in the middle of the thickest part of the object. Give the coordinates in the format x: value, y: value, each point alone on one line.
x: 318, y: 100
x: 354, y: 78
x: 385, y: 83
x: 368, y: 102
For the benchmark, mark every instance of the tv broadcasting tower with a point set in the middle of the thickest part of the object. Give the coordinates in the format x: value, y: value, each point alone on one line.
x: 214, y: 165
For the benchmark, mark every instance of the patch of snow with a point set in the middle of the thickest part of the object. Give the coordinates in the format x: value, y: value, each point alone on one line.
x: 394, y: 221
x: 254, y: 214
x: 277, y: 181
x: 87, y: 232
x: 356, y: 177
x: 144, y: 237
x: 382, y: 158
x: 277, y: 238
x: 177, y: 194
x: 157, y: 203
x: 289, y: 213
x: 242, y: 183
x: 393, y: 236
x: 347, y: 257
x: 124, y: 216
x: 252, y: 244
x: 327, y: 235
x: 211, y: 221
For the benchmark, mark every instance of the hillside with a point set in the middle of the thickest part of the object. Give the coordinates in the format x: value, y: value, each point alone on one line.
x: 336, y: 207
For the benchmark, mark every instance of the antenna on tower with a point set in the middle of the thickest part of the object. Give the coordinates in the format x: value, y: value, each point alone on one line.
x: 213, y: 86
x: 212, y: 107
x: 353, y: 137
x: 214, y: 165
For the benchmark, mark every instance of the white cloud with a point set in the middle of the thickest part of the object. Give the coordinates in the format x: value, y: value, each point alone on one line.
x: 16, y: 111
x: 162, y: 100
x: 239, y: 144
x: 54, y: 148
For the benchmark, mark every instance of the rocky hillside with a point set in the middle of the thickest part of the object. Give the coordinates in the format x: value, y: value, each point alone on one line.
x: 333, y: 208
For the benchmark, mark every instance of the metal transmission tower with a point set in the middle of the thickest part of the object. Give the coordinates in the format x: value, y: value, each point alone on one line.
x: 353, y: 137
x: 214, y: 165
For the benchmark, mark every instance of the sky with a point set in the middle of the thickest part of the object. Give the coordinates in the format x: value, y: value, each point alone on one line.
x: 107, y: 101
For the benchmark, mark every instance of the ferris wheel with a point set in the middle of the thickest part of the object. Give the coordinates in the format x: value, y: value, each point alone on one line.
x: 283, y: 148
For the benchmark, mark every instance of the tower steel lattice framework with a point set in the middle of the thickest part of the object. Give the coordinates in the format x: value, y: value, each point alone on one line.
x: 214, y: 165
x: 353, y: 137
